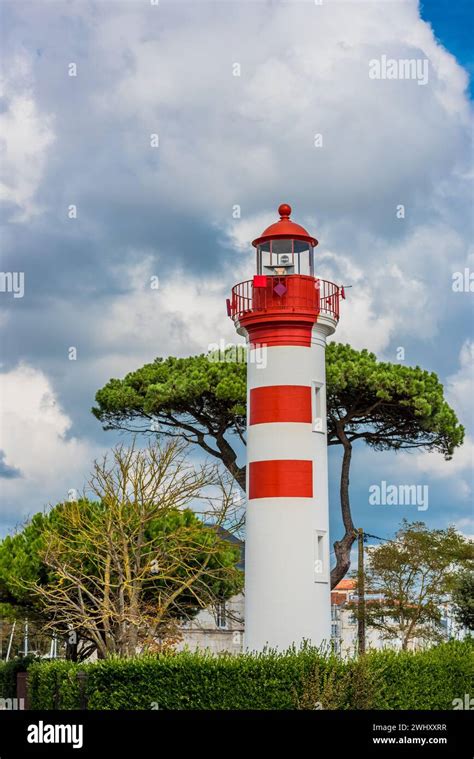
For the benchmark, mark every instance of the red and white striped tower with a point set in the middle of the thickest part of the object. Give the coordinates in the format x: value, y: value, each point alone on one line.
x: 286, y: 314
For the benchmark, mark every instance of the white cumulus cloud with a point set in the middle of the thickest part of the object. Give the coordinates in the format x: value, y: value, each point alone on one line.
x: 26, y: 136
x: 35, y: 438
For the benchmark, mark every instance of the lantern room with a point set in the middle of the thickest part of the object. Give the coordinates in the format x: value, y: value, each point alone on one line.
x: 285, y: 281
x: 285, y: 248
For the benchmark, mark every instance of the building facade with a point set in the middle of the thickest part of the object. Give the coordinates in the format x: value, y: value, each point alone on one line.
x: 222, y: 629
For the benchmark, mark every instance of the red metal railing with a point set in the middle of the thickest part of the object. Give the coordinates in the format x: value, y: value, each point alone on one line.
x: 329, y: 298
x: 301, y: 293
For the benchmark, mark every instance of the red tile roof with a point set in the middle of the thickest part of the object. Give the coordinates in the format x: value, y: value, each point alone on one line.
x: 346, y: 585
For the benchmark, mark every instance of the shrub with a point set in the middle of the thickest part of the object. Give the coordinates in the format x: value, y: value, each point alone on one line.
x: 8, y: 673
x: 306, y: 679
x: 54, y: 685
x: 428, y: 679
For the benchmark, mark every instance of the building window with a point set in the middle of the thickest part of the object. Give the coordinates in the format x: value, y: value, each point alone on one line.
x: 320, y: 558
x: 319, y: 422
x: 221, y: 616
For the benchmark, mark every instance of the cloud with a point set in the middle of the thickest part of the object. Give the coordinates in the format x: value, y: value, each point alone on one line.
x: 7, y: 472
x: 27, y: 134
x: 236, y: 139
x: 35, y: 438
x: 168, y: 211
x: 458, y: 393
x: 466, y: 527
x: 460, y: 385
x: 181, y: 316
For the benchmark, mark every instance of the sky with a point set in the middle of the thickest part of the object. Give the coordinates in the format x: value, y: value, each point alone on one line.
x: 131, y: 131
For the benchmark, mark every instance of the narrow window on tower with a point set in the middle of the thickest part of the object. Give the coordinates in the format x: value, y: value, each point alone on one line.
x: 319, y: 421
x: 320, y: 558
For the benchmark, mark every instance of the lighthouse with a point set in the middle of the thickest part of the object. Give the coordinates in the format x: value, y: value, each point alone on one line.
x: 286, y: 312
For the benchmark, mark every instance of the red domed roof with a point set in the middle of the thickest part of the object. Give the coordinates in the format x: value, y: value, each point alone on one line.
x: 285, y: 229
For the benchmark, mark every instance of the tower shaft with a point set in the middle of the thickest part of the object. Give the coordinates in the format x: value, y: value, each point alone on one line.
x: 286, y: 315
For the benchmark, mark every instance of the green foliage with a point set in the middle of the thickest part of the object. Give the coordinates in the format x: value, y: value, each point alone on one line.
x: 414, y: 574
x: 322, y: 684
x: 8, y: 672
x: 334, y: 684
x: 21, y: 558
x: 55, y: 685
x: 463, y: 599
x: 222, y: 580
x: 194, y: 386
x: 428, y: 679
x: 390, y: 406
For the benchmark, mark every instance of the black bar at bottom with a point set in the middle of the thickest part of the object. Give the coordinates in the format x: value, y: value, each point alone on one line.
x: 376, y: 733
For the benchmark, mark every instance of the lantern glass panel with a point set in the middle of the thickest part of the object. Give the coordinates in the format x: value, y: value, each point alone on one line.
x: 281, y: 257
x: 303, y: 252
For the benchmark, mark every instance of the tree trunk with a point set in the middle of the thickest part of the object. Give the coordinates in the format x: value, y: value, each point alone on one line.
x: 239, y: 474
x: 342, y: 548
x: 229, y: 459
x: 72, y: 651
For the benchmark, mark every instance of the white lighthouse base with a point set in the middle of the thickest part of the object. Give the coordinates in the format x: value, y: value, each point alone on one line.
x: 284, y: 606
x: 287, y: 573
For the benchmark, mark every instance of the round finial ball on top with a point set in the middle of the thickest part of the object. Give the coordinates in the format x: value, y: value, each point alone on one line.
x: 284, y: 210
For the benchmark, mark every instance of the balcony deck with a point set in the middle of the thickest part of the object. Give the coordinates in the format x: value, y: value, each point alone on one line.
x: 294, y: 293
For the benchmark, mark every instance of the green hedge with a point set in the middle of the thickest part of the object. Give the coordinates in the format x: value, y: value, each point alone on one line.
x: 196, y: 681
x: 54, y: 685
x: 8, y: 673
x: 305, y: 680
x: 428, y: 679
